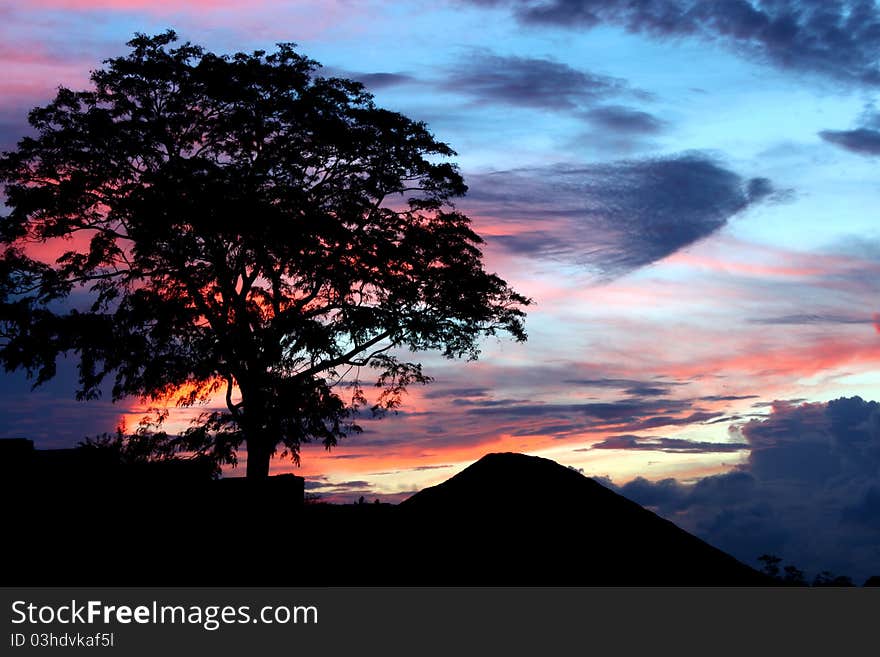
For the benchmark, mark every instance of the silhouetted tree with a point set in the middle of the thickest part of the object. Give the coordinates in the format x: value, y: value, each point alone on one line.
x: 238, y: 224
x: 771, y: 565
x: 793, y: 576
x: 125, y: 448
x: 122, y: 448
x: 826, y: 578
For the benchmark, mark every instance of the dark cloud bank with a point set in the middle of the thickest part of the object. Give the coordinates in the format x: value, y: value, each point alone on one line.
x: 550, y: 86
x: 535, y: 83
x: 810, y: 491
x: 836, y: 39
x: 614, y: 218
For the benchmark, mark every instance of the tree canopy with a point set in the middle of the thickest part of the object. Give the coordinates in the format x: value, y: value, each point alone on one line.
x: 239, y: 224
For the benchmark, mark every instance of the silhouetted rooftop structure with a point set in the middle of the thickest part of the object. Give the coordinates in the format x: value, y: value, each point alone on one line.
x: 23, y: 466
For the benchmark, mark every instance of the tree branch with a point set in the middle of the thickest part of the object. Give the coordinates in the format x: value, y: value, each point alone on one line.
x: 233, y: 408
x: 344, y: 358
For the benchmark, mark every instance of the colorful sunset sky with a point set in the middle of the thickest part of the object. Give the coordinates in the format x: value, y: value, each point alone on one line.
x: 686, y: 188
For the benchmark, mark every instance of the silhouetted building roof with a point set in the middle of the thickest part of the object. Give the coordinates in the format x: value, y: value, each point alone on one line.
x: 49, y: 469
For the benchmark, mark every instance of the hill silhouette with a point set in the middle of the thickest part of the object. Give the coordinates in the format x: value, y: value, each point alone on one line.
x: 531, y: 520
x: 508, y: 519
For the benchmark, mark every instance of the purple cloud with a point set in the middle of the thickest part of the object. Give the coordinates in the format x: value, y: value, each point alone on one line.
x: 529, y: 82
x: 616, y: 217
x: 624, y: 120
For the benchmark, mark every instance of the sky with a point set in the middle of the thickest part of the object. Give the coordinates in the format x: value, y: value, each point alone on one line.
x: 687, y: 189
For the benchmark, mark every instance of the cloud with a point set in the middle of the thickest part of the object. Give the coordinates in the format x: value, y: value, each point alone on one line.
x: 625, y: 120
x: 629, y: 410
x: 725, y: 418
x: 667, y: 445
x: 793, y: 444
x: 322, y: 484
x: 372, y: 81
x: 807, y: 319
x: 667, y: 421
x: 455, y: 392
x: 839, y: 40
x: 528, y: 409
x: 863, y: 141
x: 646, y: 391
x: 129, y: 5
x: 650, y: 387
x: 383, y: 80
x: 809, y: 492
x: 798, y: 400
x: 528, y: 82
x: 615, y: 218
x: 715, y: 398
x: 670, y: 496
x: 628, y: 415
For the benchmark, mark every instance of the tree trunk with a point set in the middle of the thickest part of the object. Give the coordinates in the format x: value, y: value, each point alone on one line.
x: 258, y: 440
x: 259, y: 451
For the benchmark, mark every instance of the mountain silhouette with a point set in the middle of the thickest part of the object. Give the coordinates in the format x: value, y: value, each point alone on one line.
x: 512, y: 518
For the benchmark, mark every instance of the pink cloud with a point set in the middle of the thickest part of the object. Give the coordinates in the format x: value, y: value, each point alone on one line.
x: 790, y: 361
x: 728, y: 255
x: 32, y: 74
x: 151, y: 6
